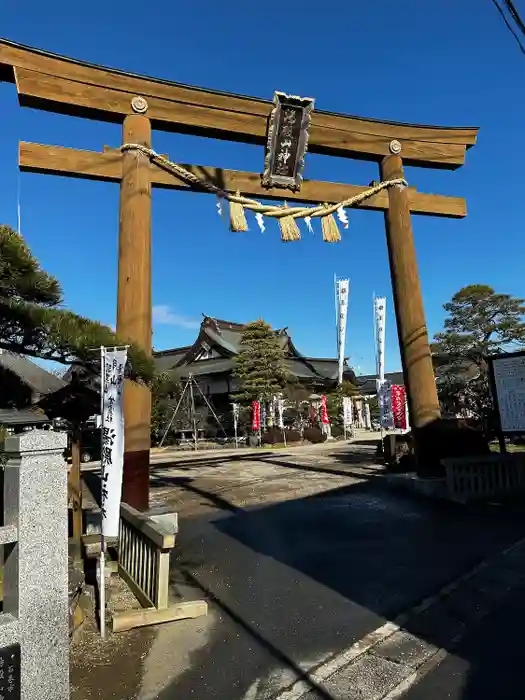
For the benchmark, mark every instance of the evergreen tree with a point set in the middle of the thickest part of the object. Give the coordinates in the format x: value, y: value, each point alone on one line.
x: 480, y: 323
x: 166, y: 391
x: 33, y: 322
x: 259, y: 366
x: 334, y: 403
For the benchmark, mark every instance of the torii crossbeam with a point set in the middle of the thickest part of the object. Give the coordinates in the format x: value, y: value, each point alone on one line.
x: 50, y: 82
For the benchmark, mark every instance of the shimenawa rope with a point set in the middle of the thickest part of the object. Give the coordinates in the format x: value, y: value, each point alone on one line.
x: 284, y: 214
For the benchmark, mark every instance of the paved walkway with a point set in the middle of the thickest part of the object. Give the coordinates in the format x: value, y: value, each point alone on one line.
x: 308, y: 560
x: 295, y: 585
x: 488, y: 663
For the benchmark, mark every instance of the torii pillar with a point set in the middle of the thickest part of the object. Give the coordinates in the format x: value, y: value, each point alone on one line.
x: 416, y: 357
x: 134, y: 299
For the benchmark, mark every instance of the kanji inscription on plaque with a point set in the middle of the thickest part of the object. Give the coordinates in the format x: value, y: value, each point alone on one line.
x: 287, y: 141
x: 10, y: 673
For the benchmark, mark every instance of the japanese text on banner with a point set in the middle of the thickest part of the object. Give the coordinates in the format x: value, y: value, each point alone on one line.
x: 256, y: 416
x: 348, y: 417
x: 112, y: 438
x: 384, y: 396
x: 399, y: 407
x: 380, y: 319
x: 342, y: 312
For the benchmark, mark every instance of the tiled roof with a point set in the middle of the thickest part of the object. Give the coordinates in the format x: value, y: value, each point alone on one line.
x: 35, y: 377
x: 10, y: 416
x: 367, y: 382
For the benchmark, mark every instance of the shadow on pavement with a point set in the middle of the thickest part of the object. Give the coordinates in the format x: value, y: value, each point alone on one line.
x: 307, y: 578
x: 487, y: 664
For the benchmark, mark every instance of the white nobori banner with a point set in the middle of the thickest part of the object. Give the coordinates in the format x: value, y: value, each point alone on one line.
x: 348, y: 412
x: 380, y: 320
x: 342, y: 290
x: 384, y: 391
x: 113, y: 363
x: 280, y: 412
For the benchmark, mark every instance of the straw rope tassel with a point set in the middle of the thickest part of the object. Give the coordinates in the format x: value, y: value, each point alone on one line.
x: 286, y: 215
x: 331, y: 233
x: 289, y: 229
x: 237, y: 216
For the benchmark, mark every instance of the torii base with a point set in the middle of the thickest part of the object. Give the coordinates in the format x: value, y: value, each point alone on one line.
x: 445, y: 438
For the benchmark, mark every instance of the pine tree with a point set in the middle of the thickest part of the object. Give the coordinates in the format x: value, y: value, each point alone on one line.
x: 33, y: 322
x: 259, y: 366
x: 480, y: 323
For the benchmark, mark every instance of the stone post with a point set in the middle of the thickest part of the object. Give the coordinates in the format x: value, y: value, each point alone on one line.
x: 36, y: 570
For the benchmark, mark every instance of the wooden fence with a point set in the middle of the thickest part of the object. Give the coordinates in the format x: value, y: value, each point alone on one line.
x: 482, y: 478
x: 144, y: 549
x: 144, y: 557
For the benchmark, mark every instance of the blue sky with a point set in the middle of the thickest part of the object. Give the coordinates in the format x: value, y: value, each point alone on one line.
x: 433, y: 62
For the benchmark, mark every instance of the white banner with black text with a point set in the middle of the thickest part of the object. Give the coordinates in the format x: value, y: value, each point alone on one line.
x: 113, y: 363
x: 348, y: 412
x: 342, y: 288
x: 380, y: 320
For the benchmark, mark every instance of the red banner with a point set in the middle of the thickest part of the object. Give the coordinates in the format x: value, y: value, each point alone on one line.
x: 324, y: 413
x: 256, y: 416
x: 399, y: 407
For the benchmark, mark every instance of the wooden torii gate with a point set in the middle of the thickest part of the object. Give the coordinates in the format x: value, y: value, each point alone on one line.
x: 55, y: 83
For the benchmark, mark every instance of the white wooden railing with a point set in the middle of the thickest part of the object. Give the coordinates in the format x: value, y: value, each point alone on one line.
x: 144, y: 557
x: 144, y: 548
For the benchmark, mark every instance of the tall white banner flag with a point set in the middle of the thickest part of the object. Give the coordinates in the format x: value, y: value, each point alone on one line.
x: 384, y: 391
x: 380, y: 320
x: 113, y: 363
x: 342, y: 287
x: 280, y: 412
x: 348, y: 413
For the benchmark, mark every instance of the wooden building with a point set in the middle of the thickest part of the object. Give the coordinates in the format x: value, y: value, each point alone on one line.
x: 23, y: 385
x: 210, y: 360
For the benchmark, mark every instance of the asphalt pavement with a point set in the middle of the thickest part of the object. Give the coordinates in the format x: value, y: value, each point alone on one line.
x: 487, y: 665
x: 295, y: 583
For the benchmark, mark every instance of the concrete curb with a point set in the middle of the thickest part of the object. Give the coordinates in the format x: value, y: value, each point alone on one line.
x: 391, y: 659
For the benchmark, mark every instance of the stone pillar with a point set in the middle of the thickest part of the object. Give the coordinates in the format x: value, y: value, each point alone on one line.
x: 36, y: 569
x: 134, y: 303
x: 410, y: 316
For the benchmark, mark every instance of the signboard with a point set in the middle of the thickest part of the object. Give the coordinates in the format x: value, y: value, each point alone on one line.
x: 113, y: 363
x: 508, y: 373
x: 287, y: 141
x: 10, y: 672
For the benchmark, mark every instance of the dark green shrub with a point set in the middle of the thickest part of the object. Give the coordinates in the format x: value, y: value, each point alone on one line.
x: 314, y: 435
x: 293, y: 436
x: 337, y: 430
x: 274, y: 436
